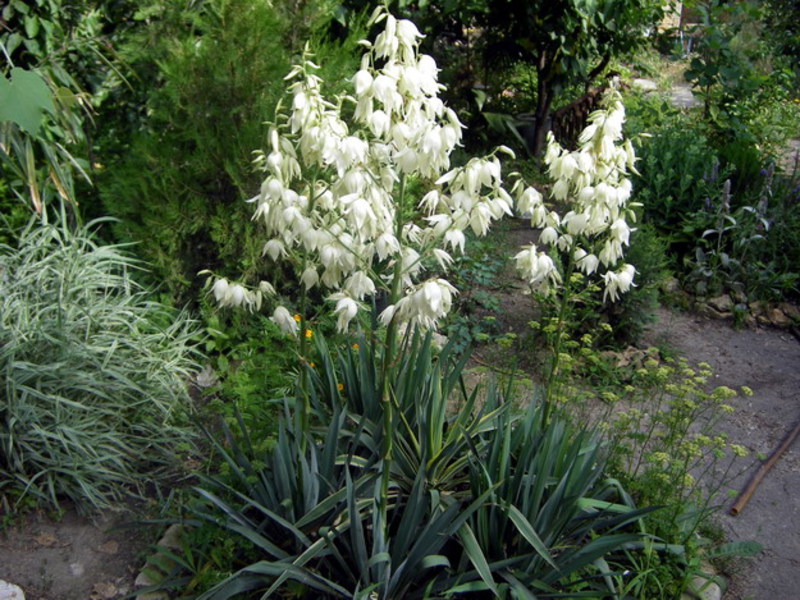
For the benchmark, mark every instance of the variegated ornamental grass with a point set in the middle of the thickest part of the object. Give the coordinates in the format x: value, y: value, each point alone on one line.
x: 94, y: 373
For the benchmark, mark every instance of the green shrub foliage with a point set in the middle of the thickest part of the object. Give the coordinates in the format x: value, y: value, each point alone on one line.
x: 180, y: 188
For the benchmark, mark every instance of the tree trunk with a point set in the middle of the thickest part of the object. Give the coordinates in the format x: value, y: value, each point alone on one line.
x: 596, y: 71
x: 544, y: 98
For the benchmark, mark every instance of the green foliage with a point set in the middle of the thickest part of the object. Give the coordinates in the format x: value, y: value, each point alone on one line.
x: 183, y: 166
x: 249, y: 359
x: 179, y: 187
x: 24, y: 99
x: 734, y: 73
x: 476, y: 273
x: 659, y: 421
x: 784, y: 31
x: 95, y: 374
x: 569, y: 41
x: 482, y: 498
x: 732, y: 254
x: 665, y: 447
x: 679, y: 171
x: 724, y: 65
x: 635, y: 310
x: 52, y: 50
x: 741, y: 244
x: 546, y: 491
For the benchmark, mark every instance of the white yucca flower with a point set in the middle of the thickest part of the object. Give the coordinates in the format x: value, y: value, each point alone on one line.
x: 618, y: 282
x: 234, y: 294
x: 284, y: 320
x: 537, y: 268
x: 593, y: 182
x: 333, y: 200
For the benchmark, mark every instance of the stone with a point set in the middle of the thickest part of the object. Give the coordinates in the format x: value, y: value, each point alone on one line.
x: 143, y: 579
x: 9, y: 591
x: 104, y: 590
x: 790, y: 310
x: 644, y: 85
x: 681, y: 97
x: 758, y: 307
x: 778, y: 318
x: 705, y: 585
x: 671, y: 286
x: 739, y: 297
x: 110, y: 547
x: 722, y: 303
x: 707, y: 310
x: 171, y: 538
x: 153, y: 596
x: 702, y: 588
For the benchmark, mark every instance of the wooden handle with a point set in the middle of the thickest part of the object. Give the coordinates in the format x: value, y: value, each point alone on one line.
x: 744, y: 497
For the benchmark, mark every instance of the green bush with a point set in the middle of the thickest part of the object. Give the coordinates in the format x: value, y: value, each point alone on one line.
x: 95, y: 374
x: 748, y: 250
x: 665, y: 445
x: 182, y: 182
x: 679, y: 169
x: 179, y: 167
x: 746, y: 243
x: 636, y: 309
x: 250, y: 359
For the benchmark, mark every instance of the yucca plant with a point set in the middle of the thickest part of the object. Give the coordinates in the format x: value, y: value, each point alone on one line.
x: 94, y: 373
x: 551, y: 516
x: 310, y: 511
x: 435, y: 416
x: 484, y: 501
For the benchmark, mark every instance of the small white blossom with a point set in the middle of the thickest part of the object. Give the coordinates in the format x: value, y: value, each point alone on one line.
x: 345, y: 311
x: 284, y: 320
x: 618, y: 282
x: 359, y: 285
x: 537, y: 268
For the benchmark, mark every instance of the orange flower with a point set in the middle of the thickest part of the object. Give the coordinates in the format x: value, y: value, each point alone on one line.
x: 355, y: 346
x: 297, y: 318
x: 340, y: 387
x: 308, y: 334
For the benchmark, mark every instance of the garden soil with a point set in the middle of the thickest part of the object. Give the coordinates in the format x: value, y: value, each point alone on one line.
x: 74, y: 558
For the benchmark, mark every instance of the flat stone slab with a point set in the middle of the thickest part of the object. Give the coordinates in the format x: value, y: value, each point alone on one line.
x: 681, y: 96
x: 9, y: 591
x: 644, y: 85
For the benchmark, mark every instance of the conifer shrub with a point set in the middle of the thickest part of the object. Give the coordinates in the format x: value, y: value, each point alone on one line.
x: 179, y: 184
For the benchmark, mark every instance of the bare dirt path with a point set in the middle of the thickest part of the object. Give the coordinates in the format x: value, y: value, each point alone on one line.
x: 72, y: 557
x: 768, y: 361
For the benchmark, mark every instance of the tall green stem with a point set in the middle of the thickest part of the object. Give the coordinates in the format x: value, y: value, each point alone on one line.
x: 388, y: 359
x: 553, y: 375
x: 305, y: 406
